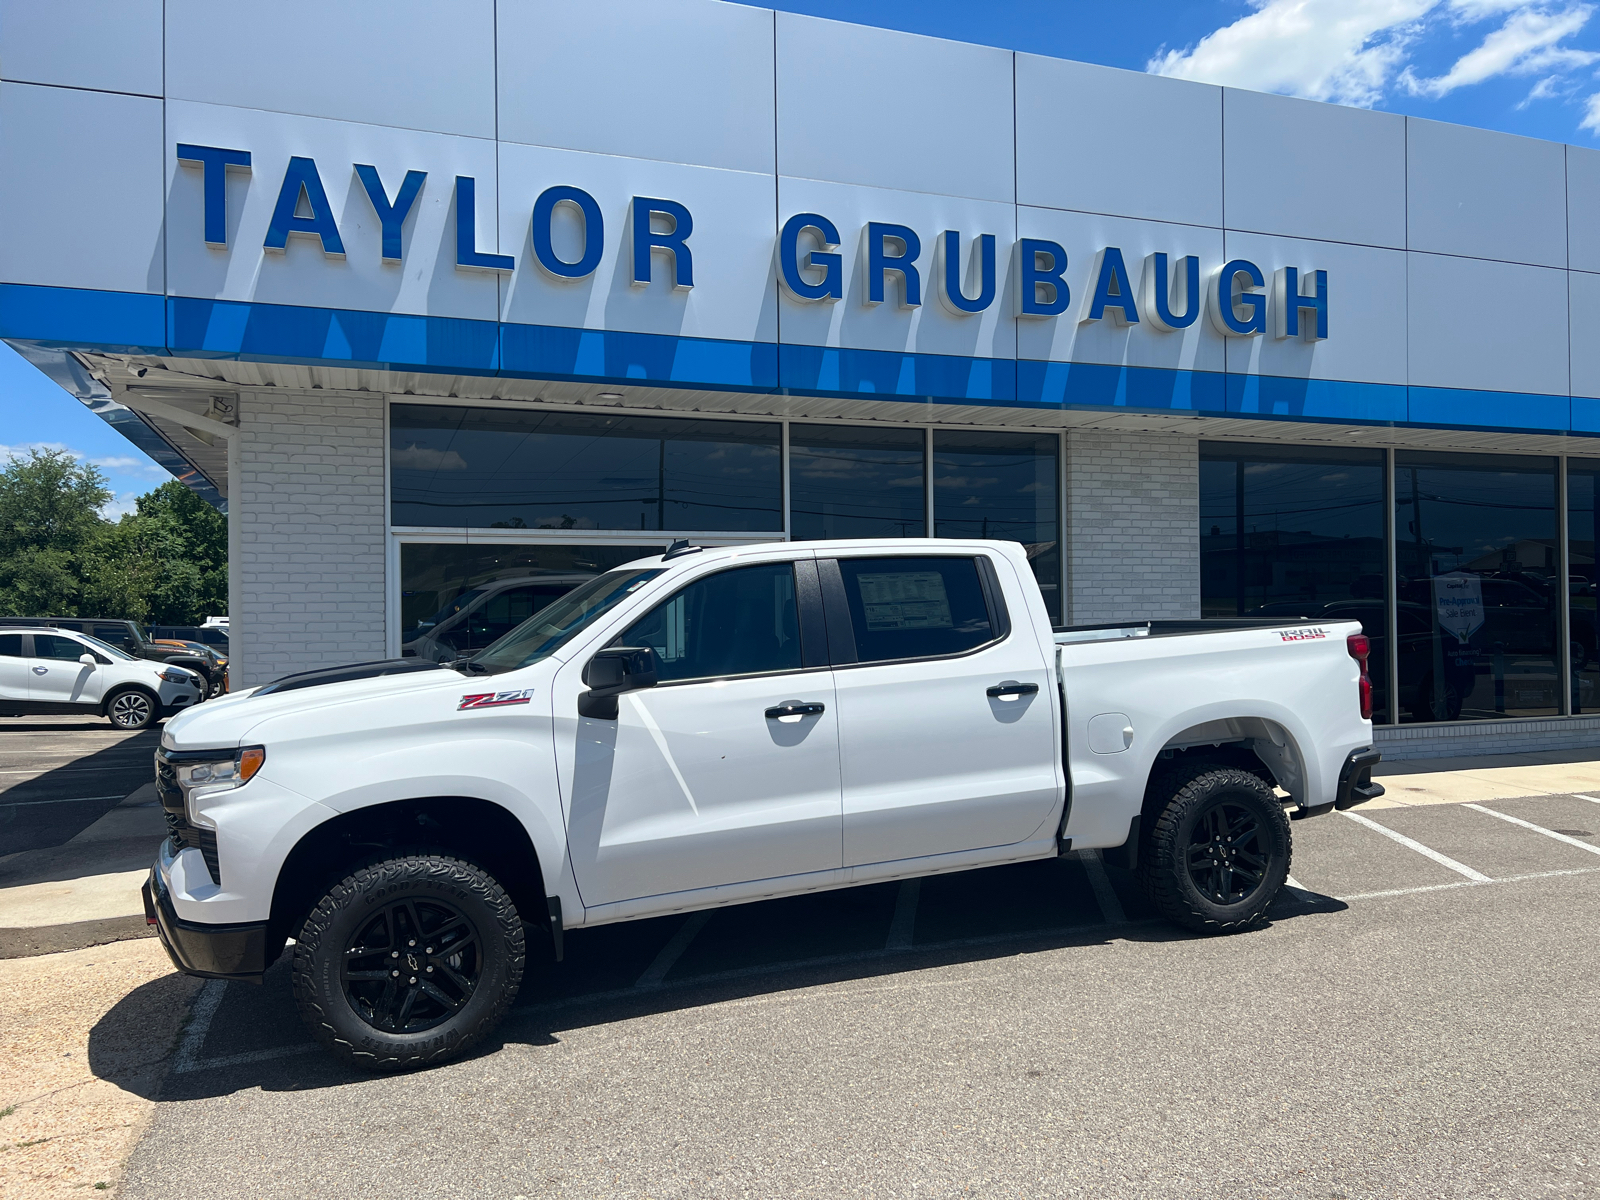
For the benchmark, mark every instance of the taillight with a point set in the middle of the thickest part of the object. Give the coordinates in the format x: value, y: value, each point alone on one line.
x: 1359, y: 647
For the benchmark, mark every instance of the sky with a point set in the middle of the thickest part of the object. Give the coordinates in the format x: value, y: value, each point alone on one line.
x: 1529, y: 67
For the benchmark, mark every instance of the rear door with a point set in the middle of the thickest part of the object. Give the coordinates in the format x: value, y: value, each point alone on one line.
x: 726, y: 771
x: 946, y: 725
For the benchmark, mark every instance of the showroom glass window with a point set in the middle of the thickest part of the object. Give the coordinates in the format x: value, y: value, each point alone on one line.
x: 496, y: 468
x: 1478, y: 586
x: 1297, y: 532
x: 1004, y: 486
x: 856, y: 482
x: 1583, y: 580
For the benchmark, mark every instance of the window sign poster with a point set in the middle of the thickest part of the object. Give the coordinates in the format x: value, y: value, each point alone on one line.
x: 905, y: 600
x: 1458, y: 602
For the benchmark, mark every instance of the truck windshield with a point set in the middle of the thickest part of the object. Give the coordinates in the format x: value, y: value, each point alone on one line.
x: 542, y: 633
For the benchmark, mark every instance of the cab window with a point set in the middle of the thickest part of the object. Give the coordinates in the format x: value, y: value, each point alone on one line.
x: 737, y: 622
x: 904, y: 608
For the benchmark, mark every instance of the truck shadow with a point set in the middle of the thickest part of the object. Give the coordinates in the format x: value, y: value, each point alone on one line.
x: 57, y: 804
x: 618, y: 973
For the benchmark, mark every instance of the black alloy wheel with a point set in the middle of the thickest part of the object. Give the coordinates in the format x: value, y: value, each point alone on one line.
x: 414, y: 965
x: 1218, y: 849
x: 1227, y: 855
x: 409, y: 961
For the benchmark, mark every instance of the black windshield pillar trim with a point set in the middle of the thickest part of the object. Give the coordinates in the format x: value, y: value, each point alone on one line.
x: 836, y: 610
x: 999, y: 617
x: 808, y: 602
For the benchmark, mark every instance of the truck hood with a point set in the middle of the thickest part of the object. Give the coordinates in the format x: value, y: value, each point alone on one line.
x: 226, y: 722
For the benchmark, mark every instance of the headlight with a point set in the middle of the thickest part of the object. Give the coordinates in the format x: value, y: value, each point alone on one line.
x: 173, y: 675
x: 199, y: 779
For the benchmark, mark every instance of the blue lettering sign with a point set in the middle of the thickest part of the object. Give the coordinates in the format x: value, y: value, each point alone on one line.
x: 1290, y: 302
x: 1158, y: 292
x: 674, y: 241
x: 952, y: 295
x: 880, y: 262
x: 214, y: 162
x: 302, y: 180
x: 467, y: 253
x: 1228, y: 298
x: 1041, y: 290
x: 391, y: 217
x: 831, y: 285
x: 1112, y: 289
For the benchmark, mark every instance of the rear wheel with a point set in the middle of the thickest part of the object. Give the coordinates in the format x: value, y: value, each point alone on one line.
x: 132, y: 708
x: 408, y: 962
x: 1219, y: 851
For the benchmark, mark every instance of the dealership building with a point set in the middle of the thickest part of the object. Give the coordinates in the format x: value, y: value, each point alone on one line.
x: 453, y: 305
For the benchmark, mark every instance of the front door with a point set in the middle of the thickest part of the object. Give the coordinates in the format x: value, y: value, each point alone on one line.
x: 725, y: 772
x: 948, y: 733
x: 57, y: 675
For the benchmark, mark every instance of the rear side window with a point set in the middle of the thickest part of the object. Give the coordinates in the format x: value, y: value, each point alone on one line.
x: 115, y: 634
x: 10, y: 645
x: 738, y: 622
x: 915, y: 607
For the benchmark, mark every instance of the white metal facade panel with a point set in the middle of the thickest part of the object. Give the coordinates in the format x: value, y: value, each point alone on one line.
x: 1072, y: 338
x: 1366, y: 312
x: 427, y: 282
x: 929, y: 329
x: 718, y: 111
x: 1313, y: 170
x: 1102, y: 140
x: 1583, y: 208
x: 1584, y: 292
x: 734, y: 294
x: 415, y: 64
x: 1485, y: 194
x: 66, y: 152
x: 1516, y: 343
x: 893, y: 110
x: 44, y: 41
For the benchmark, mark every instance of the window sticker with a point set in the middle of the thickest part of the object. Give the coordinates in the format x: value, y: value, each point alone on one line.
x: 905, y: 600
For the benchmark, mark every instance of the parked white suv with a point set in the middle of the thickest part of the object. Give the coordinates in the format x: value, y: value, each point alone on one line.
x: 56, y: 671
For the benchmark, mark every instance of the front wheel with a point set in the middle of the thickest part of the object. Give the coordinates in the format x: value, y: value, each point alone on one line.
x: 1218, y: 853
x: 133, y: 709
x: 408, y: 962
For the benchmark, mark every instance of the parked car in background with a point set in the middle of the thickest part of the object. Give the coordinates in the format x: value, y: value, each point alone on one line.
x: 58, y: 671
x: 127, y: 636
x: 208, y: 635
x: 483, y: 614
x: 217, y: 678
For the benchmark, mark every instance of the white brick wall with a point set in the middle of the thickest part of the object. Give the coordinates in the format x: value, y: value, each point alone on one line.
x: 308, y: 499
x: 1133, y: 513
x: 1402, y: 742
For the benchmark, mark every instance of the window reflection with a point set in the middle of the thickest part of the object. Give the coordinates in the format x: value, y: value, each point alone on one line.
x: 1583, y: 524
x: 849, y: 482
x: 1003, y: 486
x: 1297, y: 532
x: 493, y: 468
x: 1478, y: 587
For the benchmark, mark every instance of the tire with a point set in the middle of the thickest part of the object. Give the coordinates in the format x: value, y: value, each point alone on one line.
x: 133, y: 709
x: 1218, y: 852
x: 399, y: 1009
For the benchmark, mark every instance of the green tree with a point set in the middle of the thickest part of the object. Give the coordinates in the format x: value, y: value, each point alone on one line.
x: 166, y: 563
x: 49, y: 515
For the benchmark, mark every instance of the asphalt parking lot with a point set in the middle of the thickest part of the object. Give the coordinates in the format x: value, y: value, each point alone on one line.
x: 1418, y: 1019
x: 58, y: 775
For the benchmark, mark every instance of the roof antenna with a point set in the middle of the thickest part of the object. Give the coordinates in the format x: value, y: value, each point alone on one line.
x: 680, y: 548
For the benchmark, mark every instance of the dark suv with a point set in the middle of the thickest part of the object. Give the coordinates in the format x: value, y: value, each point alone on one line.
x: 128, y: 636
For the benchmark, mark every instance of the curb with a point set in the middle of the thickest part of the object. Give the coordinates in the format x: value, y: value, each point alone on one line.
x: 77, y: 935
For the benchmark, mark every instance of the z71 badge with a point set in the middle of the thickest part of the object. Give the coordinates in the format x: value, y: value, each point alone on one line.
x: 495, y: 699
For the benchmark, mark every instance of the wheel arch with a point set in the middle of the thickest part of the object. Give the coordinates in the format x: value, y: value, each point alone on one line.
x: 479, y: 831
x: 1261, y: 745
x: 118, y: 689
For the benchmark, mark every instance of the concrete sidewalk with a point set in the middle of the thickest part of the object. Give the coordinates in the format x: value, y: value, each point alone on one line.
x: 86, y: 892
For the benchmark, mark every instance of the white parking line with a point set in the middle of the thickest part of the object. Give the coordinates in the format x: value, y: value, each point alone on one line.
x: 904, y: 924
x: 673, y: 950
x: 1105, y: 895
x: 1549, y: 833
x: 69, y: 800
x: 1444, y: 887
x: 1426, y: 852
x: 1590, y: 799
x: 205, y: 1007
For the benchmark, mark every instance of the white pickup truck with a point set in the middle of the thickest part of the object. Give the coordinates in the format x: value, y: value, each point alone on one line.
x: 717, y: 726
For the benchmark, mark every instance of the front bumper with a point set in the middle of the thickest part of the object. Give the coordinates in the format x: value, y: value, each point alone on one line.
x: 209, y: 951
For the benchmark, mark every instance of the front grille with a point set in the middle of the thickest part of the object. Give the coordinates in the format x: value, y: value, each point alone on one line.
x: 184, y: 835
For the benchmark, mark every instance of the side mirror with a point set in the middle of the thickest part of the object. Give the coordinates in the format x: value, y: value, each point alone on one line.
x: 87, y: 660
x: 613, y: 671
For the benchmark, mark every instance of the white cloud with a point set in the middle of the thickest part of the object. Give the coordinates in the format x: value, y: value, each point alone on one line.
x: 120, y: 506
x: 113, y: 464
x: 1353, y: 51
x: 1525, y: 45
x: 1591, y: 114
x: 1341, y: 50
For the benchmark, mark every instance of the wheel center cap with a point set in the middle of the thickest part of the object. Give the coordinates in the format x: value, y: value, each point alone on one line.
x: 412, y: 962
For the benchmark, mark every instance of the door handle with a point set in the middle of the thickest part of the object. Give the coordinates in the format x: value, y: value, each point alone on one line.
x: 1011, y: 690
x: 41, y: 670
x: 793, y: 710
